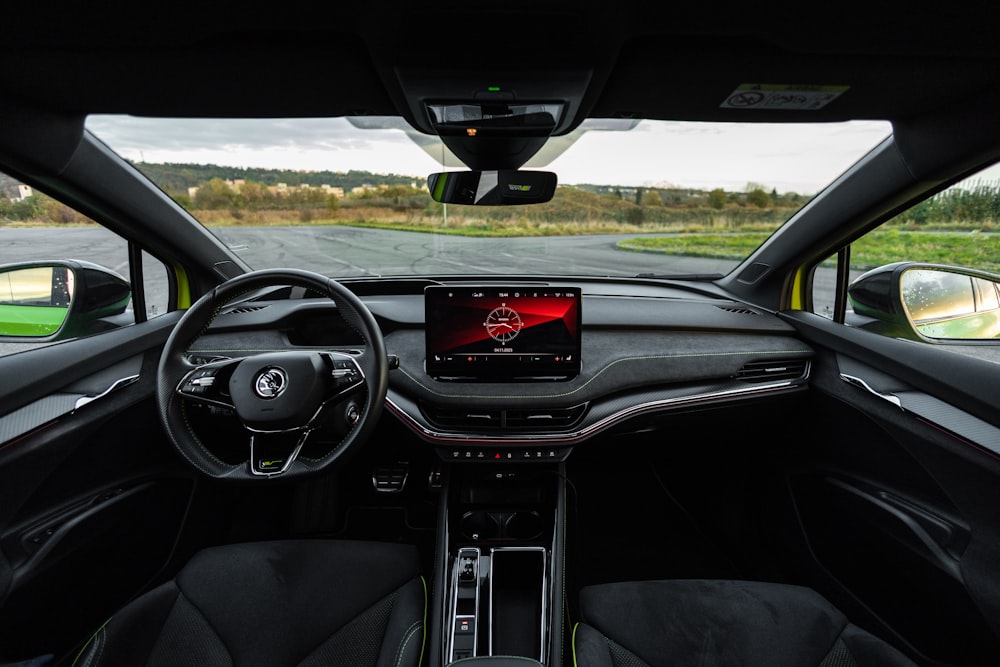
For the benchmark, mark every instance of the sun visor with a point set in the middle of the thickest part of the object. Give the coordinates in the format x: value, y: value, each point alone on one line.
x: 37, y: 142
x: 952, y: 140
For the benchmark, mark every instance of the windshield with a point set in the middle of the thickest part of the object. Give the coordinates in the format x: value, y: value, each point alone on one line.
x: 348, y: 196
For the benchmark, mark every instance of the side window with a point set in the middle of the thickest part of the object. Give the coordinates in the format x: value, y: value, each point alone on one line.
x: 62, y: 275
x: 156, y: 285
x: 930, y: 274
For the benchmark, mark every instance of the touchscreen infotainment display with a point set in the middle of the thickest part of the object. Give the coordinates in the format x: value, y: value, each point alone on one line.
x: 502, y: 332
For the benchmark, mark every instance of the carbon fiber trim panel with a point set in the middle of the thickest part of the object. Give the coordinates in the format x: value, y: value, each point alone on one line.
x: 30, y: 417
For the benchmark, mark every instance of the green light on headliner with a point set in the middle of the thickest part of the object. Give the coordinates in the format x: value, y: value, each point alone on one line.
x: 493, y: 89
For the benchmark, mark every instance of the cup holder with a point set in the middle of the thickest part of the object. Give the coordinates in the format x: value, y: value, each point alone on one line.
x: 481, y: 525
x: 522, y: 525
x: 502, y: 525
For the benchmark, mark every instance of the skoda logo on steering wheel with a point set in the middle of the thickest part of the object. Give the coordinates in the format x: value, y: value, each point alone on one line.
x: 271, y: 382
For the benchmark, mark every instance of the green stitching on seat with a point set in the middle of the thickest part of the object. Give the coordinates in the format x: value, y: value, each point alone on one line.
x: 417, y: 625
x: 423, y: 644
x: 89, y: 641
x: 573, y: 642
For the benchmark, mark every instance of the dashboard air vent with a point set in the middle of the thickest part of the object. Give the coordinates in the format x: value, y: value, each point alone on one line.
x: 452, y: 418
x: 773, y: 370
x: 535, y: 419
x: 474, y: 419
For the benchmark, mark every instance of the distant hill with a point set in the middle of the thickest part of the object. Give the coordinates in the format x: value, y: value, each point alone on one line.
x: 176, y: 178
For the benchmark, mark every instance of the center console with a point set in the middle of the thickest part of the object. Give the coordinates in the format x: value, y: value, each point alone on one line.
x: 501, y: 581
x: 501, y: 527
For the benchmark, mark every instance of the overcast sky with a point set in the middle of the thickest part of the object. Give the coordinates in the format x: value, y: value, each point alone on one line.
x: 798, y: 158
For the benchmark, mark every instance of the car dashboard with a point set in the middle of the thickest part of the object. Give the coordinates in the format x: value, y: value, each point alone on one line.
x: 643, y: 348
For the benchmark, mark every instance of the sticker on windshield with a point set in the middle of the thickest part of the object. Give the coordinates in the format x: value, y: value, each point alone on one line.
x: 779, y: 96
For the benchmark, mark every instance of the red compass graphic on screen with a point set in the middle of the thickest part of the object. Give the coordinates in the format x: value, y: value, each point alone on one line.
x: 503, y: 324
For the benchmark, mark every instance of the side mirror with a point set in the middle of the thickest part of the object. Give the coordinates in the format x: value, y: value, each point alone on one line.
x: 492, y: 188
x: 55, y: 300
x: 929, y: 301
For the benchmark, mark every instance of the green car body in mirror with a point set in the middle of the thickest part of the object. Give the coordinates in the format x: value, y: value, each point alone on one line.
x: 929, y: 301
x: 34, y: 300
x: 55, y: 300
x: 492, y: 188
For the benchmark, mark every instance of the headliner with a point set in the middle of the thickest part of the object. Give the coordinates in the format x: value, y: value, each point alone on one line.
x: 622, y: 59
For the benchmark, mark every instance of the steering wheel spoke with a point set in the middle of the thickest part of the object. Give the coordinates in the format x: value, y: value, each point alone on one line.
x: 274, y: 453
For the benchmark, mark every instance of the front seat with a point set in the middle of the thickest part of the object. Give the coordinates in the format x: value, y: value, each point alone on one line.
x: 720, y: 622
x: 291, y: 602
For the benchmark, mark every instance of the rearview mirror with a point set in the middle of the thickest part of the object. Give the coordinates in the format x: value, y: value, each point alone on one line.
x: 492, y: 188
x: 55, y: 300
x: 929, y: 301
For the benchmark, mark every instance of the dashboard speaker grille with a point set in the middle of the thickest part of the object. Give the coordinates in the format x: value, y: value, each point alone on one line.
x: 737, y: 310
x: 244, y: 309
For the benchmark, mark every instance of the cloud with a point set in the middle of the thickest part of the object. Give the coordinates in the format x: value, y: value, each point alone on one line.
x: 799, y: 157
x: 315, y: 144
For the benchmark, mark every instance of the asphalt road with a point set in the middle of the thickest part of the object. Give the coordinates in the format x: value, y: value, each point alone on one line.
x: 352, y: 251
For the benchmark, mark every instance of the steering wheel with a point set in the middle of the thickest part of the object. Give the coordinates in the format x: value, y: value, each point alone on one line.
x: 280, y: 398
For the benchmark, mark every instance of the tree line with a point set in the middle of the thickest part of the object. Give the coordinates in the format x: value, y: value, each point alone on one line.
x: 176, y: 178
x: 977, y: 202
x: 360, y: 195
x: 571, y: 203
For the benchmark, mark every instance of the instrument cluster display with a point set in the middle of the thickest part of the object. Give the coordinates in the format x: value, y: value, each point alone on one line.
x: 489, y: 332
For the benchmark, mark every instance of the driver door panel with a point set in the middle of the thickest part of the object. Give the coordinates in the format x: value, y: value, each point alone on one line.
x: 92, y: 497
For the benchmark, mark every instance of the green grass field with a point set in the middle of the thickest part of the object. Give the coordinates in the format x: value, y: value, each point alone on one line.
x: 875, y: 249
